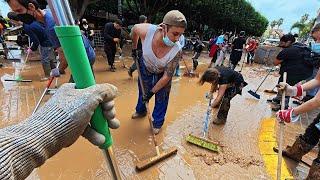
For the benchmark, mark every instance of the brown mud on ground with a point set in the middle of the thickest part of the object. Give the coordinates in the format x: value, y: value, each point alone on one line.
x: 132, y: 142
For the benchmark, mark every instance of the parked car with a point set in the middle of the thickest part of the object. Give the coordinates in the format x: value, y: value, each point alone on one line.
x: 271, y: 42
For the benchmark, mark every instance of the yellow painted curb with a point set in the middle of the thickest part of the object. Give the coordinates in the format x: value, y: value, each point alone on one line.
x: 267, y: 141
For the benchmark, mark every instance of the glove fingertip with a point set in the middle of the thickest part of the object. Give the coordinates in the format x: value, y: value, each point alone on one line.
x: 93, y: 137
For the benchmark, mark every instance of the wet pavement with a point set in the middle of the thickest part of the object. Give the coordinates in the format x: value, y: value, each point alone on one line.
x: 242, y: 154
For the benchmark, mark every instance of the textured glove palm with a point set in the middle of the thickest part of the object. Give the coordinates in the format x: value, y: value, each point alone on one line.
x: 56, y: 125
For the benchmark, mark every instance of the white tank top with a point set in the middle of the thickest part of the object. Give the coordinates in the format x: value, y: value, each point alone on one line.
x: 152, y: 63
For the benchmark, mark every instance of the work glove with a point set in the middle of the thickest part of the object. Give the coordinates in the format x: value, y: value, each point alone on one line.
x: 292, y: 91
x: 29, y: 50
x: 146, y: 97
x: 55, y: 72
x: 56, y: 125
x: 287, y: 115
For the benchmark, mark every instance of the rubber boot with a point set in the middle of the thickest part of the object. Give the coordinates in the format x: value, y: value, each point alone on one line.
x: 52, y: 65
x: 314, y: 172
x: 218, y: 121
x: 46, y: 70
x: 297, y: 150
x: 195, y: 64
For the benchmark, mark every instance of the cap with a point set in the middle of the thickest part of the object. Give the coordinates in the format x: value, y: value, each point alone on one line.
x: 175, y: 18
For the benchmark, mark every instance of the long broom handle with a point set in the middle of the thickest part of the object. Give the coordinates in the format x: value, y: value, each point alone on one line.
x: 281, y: 123
x: 206, y: 121
x: 147, y: 106
x: 263, y: 81
x: 45, y: 91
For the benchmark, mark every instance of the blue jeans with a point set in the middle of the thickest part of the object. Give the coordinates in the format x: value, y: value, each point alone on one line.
x: 313, y: 92
x: 161, y: 97
x: 47, y: 55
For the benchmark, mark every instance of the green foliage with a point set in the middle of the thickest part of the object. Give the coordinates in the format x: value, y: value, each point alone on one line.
x: 215, y: 15
x: 304, y: 26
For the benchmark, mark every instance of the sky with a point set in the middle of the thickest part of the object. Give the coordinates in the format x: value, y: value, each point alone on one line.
x: 4, y: 8
x: 290, y: 10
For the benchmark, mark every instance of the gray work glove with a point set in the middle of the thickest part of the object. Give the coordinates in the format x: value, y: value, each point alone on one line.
x: 56, y: 125
x: 104, y: 94
x: 292, y: 91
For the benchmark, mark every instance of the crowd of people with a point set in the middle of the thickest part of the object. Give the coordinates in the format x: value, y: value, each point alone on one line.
x: 156, y: 50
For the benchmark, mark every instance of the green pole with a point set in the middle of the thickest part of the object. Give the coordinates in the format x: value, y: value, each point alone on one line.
x: 72, y: 44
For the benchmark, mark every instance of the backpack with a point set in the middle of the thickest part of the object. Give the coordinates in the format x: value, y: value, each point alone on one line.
x: 310, y: 58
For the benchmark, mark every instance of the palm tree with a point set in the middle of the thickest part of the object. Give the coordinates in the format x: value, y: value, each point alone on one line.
x: 304, y: 18
x: 280, y: 22
x: 273, y: 24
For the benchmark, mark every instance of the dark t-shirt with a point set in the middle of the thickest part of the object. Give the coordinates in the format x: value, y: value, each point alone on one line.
x: 109, y: 33
x: 293, y: 63
x: 238, y: 43
x: 228, y: 76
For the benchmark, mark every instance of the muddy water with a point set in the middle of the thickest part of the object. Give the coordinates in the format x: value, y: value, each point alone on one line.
x: 240, y: 157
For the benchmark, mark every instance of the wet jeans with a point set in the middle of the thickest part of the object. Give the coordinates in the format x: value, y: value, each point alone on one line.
x: 47, y: 55
x: 48, y: 59
x: 161, y: 97
x: 225, y: 104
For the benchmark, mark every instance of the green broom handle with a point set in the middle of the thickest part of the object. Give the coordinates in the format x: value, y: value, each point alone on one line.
x: 75, y: 53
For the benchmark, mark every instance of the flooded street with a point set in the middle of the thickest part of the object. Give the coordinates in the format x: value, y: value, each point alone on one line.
x: 241, y: 156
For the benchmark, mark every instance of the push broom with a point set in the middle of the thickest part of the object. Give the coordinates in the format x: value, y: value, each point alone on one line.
x: 142, y: 165
x: 254, y: 93
x: 72, y: 44
x: 19, y: 78
x: 203, y: 141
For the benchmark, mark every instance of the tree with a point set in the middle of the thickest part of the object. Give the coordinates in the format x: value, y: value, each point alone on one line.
x: 273, y: 24
x: 304, y: 26
x: 150, y: 8
x: 78, y: 7
x: 280, y: 22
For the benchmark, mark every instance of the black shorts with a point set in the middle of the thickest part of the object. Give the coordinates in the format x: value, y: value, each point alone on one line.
x: 235, y: 56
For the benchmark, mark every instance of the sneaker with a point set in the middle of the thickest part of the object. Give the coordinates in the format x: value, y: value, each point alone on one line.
x: 156, y: 131
x: 138, y: 115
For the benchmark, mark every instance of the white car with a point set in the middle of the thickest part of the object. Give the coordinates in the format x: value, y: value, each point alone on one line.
x: 271, y: 42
